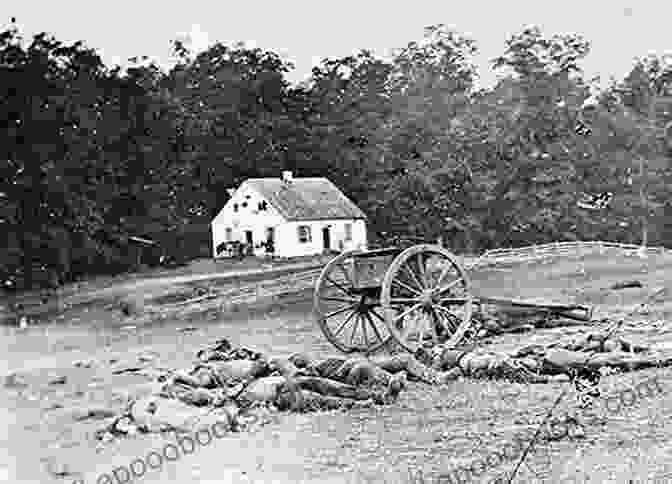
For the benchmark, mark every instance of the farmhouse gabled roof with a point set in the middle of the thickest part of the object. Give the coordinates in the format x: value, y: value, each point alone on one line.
x: 306, y: 198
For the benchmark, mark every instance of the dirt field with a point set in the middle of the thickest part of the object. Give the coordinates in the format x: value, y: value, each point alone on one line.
x: 429, y: 428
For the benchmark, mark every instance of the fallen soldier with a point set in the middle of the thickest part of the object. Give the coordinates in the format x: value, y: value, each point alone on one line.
x: 379, y: 379
x: 370, y: 371
x: 298, y: 382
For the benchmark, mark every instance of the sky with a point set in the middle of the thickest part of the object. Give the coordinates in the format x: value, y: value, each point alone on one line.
x: 306, y: 32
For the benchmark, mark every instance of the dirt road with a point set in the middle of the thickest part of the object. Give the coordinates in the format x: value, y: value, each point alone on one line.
x: 41, y: 305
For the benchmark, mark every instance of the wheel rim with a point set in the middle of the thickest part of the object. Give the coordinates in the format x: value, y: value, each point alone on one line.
x: 426, y: 298
x: 351, y: 320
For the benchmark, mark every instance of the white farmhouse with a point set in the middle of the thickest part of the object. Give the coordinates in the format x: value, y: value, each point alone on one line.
x: 289, y: 217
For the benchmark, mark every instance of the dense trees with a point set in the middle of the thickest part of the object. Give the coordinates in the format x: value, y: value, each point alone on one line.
x: 90, y: 155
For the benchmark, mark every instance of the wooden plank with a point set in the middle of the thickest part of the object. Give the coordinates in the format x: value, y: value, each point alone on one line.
x: 575, y: 312
x: 529, y: 304
x: 378, y: 252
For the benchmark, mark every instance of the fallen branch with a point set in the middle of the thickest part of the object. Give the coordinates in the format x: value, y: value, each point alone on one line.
x: 198, y: 299
x: 536, y: 434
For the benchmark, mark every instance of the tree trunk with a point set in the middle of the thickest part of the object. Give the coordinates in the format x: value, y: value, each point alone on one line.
x: 643, y: 202
x: 642, y: 173
x: 27, y: 215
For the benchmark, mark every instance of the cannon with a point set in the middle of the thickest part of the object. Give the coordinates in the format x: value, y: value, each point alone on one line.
x: 419, y: 296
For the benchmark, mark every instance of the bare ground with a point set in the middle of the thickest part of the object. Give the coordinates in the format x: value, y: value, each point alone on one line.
x: 430, y: 428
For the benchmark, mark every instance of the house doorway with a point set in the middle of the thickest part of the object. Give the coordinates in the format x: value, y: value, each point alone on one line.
x: 249, y: 242
x: 326, y: 239
x: 270, y: 240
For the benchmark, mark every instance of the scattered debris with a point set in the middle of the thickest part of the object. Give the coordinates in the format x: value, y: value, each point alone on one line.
x: 95, y: 413
x: 59, y: 469
x: 198, y: 299
x: 147, y: 357
x: 134, y: 369
x: 84, y: 363
x: 59, y: 380
x: 13, y: 380
x: 625, y: 285
x: 54, y: 406
x: 655, y: 293
x: 132, y: 306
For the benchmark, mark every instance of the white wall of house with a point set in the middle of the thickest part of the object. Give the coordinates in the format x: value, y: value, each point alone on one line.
x: 289, y: 245
x: 247, y: 217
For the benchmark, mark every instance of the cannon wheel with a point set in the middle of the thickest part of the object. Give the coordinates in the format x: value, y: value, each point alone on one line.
x: 426, y: 298
x: 351, y: 319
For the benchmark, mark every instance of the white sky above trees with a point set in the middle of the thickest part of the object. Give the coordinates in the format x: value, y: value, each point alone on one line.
x: 307, y: 31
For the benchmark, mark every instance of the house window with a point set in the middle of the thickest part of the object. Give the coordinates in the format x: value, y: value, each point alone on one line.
x: 229, y: 234
x: 348, y: 232
x: 244, y: 204
x: 304, y: 234
x: 235, y: 207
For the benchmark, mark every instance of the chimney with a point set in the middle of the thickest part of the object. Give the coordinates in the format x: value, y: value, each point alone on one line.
x: 287, y: 177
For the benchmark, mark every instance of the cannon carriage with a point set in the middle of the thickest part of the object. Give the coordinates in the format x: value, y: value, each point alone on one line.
x: 417, y: 297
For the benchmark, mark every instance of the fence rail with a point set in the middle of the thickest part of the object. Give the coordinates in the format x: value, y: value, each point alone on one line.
x: 245, y: 294
x: 556, y: 249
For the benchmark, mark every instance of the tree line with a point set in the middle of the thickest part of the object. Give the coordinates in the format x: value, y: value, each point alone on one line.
x: 91, y: 155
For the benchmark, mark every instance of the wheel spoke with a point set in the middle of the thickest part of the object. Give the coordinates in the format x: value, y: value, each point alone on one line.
x: 373, y: 325
x: 453, y: 300
x: 343, y: 289
x: 432, y: 324
x: 422, y: 323
x: 340, y: 311
x: 439, y: 290
x: 407, y: 312
x: 364, y: 332
x: 405, y: 286
x: 404, y: 300
x: 422, y: 270
x: 444, y: 273
x: 375, y: 313
x: 409, y: 269
x: 347, y: 320
x: 354, y: 330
